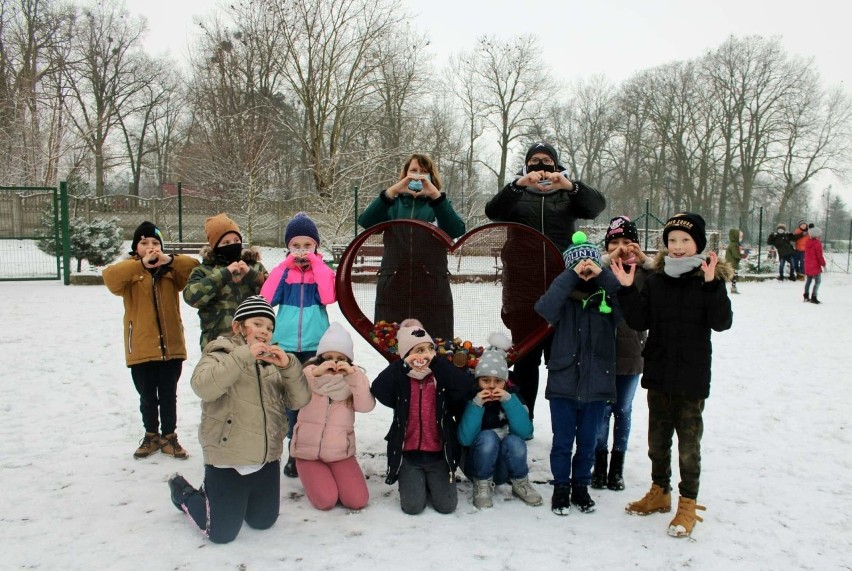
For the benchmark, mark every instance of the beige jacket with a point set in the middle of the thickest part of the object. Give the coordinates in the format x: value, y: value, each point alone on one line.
x: 243, y: 400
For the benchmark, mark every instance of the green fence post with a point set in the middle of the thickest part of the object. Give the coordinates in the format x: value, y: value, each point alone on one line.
x: 647, y: 218
x: 180, y: 212
x: 355, y: 229
x: 66, y: 235
x: 759, y: 237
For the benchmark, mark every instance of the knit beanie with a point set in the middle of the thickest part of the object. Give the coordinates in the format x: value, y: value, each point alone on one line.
x: 254, y: 306
x: 815, y: 232
x: 411, y: 333
x: 145, y: 230
x: 580, y: 250
x: 336, y: 338
x: 493, y: 360
x: 689, y: 222
x: 217, y: 226
x: 621, y: 227
x: 301, y: 225
x: 542, y: 147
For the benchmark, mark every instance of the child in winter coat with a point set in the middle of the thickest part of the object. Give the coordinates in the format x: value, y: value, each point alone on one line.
x: 427, y: 394
x: 154, y: 346
x: 734, y: 254
x: 323, y: 442
x: 814, y: 264
x: 300, y: 287
x: 782, y: 241
x: 621, y: 243
x: 227, y: 275
x: 581, y: 371
x: 494, y: 427
x: 679, y: 305
x: 244, y: 382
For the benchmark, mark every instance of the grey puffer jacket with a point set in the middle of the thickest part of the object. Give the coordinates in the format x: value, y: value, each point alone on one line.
x: 243, y: 400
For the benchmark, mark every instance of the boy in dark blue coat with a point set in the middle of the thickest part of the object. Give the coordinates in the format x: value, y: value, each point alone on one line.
x: 581, y: 372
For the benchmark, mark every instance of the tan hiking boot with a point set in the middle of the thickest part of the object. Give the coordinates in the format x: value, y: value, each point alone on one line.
x: 656, y: 500
x: 684, y: 520
x: 150, y: 443
x: 169, y: 445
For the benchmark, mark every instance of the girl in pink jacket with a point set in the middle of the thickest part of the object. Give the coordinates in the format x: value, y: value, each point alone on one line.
x: 323, y: 442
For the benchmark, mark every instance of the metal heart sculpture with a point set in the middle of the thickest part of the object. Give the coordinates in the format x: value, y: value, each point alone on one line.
x: 487, y: 280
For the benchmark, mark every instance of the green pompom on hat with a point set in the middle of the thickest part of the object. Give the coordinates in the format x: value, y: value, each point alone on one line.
x: 580, y: 250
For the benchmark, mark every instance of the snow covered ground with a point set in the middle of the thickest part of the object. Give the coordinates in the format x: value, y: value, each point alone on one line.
x: 775, y: 479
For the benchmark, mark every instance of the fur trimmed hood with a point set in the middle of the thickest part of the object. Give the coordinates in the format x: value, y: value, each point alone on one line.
x: 251, y: 255
x: 724, y: 270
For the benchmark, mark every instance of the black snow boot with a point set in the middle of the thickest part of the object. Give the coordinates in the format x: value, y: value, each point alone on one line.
x: 580, y: 497
x: 180, y: 490
x: 599, y: 473
x: 290, y: 469
x: 560, y: 503
x: 814, y: 299
x: 615, y: 481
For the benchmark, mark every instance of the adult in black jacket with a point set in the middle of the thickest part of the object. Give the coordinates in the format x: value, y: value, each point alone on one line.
x: 782, y: 241
x: 544, y: 198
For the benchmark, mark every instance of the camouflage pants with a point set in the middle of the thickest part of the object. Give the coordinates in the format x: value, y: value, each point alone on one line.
x: 668, y: 414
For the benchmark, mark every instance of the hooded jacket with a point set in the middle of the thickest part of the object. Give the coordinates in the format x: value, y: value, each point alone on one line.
x: 679, y: 314
x: 392, y: 388
x: 243, y: 400
x: 301, y: 295
x: 582, y: 356
x: 214, y: 293
x: 733, y: 254
x: 814, y: 259
x: 153, y: 329
x: 782, y: 241
x: 326, y: 427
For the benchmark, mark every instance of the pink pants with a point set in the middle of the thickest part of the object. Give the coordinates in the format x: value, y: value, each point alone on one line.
x: 327, y: 482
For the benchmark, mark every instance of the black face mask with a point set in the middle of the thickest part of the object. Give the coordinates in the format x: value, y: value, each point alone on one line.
x: 541, y: 167
x: 230, y: 253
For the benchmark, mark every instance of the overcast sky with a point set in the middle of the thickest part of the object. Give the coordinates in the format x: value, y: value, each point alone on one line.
x: 615, y: 38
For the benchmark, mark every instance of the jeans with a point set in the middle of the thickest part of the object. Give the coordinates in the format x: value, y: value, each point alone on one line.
x: 668, y: 414
x: 799, y: 258
x: 783, y: 260
x: 489, y: 456
x: 571, y: 419
x: 293, y: 415
x: 229, y: 499
x: 622, y: 410
x: 156, y: 382
x: 817, y: 279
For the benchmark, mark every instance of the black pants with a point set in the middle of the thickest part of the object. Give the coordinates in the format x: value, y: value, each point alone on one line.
x: 526, y: 372
x: 156, y: 383
x: 427, y: 478
x: 229, y: 499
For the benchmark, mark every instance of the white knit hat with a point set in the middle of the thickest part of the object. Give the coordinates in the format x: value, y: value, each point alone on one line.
x: 411, y: 333
x: 493, y: 360
x: 336, y: 338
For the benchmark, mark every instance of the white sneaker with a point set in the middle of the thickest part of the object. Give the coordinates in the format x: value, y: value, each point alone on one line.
x: 525, y: 490
x: 482, y: 492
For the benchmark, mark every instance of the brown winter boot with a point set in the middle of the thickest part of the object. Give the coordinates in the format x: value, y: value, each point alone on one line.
x: 684, y: 520
x: 656, y: 500
x: 150, y: 443
x: 170, y: 446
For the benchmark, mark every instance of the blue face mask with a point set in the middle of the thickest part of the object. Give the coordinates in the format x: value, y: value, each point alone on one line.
x: 417, y: 185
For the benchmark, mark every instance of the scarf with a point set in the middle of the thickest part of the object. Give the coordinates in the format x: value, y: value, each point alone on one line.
x: 334, y: 387
x: 676, y: 267
x: 419, y: 375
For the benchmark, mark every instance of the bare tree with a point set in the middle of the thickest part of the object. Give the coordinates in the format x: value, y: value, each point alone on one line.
x: 510, y: 79
x: 104, y: 72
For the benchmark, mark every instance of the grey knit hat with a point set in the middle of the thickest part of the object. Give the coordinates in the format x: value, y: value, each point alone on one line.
x: 493, y: 360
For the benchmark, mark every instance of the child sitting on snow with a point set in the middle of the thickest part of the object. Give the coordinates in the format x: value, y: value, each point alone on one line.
x: 427, y: 394
x: 494, y: 427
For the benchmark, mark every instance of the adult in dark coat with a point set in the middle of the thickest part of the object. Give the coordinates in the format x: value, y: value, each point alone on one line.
x: 782, y: 241
x: 414, y: 276
x: 543, y: 197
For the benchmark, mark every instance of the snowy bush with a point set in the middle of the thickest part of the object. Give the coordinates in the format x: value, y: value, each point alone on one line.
x: 98, y: 242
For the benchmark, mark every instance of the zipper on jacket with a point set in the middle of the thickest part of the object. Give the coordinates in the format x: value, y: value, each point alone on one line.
x: 324, y: 425
x: 130, y: 339
x: 441, y: 429
x: 263, y: 409
x: 301, y: 312
x: 157, y: 313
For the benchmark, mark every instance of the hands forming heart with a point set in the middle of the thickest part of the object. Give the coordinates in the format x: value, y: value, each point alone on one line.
x: 587, y: 269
